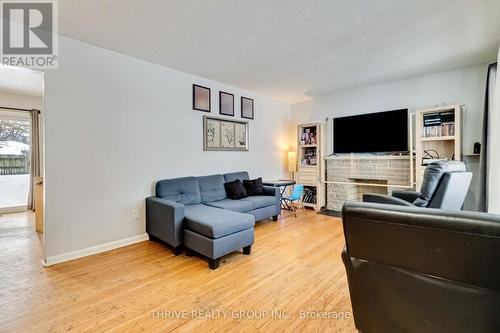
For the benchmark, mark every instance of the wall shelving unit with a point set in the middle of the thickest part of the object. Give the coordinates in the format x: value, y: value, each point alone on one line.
x: 438, y: 131
x: 311, y: 163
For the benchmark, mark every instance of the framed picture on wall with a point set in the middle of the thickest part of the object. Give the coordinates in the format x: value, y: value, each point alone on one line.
x: 212, y: 133
x: 227, y: 134
x: 224, y: 135
x: 226, y: 103
x: 241, y: 135
x: 201, y: 98
x: 247, y: 108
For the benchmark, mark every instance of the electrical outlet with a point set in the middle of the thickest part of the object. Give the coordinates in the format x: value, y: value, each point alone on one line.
x: 135, y: 214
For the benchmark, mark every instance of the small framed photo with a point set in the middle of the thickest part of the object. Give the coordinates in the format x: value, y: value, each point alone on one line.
x: 201, y: 98
x: 226, y: 103
x: 247, y: 108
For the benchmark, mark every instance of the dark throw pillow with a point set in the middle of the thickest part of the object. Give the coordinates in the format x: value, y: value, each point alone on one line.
x: 254, y: 187
x: 235, y: 190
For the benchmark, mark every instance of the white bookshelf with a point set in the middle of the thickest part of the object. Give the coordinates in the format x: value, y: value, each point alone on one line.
x: 311, y: 163
x: 447, y: 146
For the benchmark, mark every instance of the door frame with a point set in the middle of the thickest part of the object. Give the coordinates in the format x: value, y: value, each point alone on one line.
x: 25, y: 116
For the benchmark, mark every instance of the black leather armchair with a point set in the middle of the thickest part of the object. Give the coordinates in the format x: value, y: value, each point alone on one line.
x: 444, y: 186
x: 414, y: 269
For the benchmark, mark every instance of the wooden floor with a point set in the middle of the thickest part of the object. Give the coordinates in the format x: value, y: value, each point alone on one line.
x: 295, y: 266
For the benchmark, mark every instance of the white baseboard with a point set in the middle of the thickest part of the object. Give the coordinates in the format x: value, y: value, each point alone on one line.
x: 94, y: 250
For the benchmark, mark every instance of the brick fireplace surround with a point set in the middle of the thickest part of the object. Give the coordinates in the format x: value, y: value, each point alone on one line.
x: 349, y: 177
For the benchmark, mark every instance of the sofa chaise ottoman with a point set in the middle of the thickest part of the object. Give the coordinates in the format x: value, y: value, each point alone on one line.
x: 194, y: 213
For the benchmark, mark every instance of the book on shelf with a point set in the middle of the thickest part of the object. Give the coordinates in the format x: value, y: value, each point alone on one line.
x: 439, y: 124
x: 447, y: 117
x: 432, y: 119
x: 309, y: 157
x: 309, y: 196
x: 308, y: 137
x: 448, y: 129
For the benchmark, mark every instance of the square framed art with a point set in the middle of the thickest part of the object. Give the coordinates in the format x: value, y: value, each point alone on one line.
x: 247, y: 108
x: 201, y: 98
x: 226, y: 103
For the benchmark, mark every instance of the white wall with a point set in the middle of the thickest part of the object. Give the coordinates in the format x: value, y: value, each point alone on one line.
x: 463, y: 86
x: 115, y: 125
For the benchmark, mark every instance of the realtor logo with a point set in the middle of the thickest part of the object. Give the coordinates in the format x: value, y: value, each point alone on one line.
x: 29, y: 33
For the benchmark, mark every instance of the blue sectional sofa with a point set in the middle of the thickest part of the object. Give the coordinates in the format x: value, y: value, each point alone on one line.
x: 194, y: 213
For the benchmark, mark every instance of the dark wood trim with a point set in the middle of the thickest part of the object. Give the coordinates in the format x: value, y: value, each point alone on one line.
x: 253, y: 107
x: 220, y: 104
x: 209, y: 98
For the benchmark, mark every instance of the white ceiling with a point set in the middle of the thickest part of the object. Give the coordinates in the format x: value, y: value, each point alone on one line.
x: 292, y: 49
x: 21, y: 81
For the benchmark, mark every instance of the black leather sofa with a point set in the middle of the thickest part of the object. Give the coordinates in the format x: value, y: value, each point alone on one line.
x: 416, y: 269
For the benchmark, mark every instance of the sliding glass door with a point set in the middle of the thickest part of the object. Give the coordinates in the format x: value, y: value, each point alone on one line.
x: 14, y: 161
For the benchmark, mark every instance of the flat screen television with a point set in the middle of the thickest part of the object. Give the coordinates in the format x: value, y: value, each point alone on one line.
x: 371, y: 133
